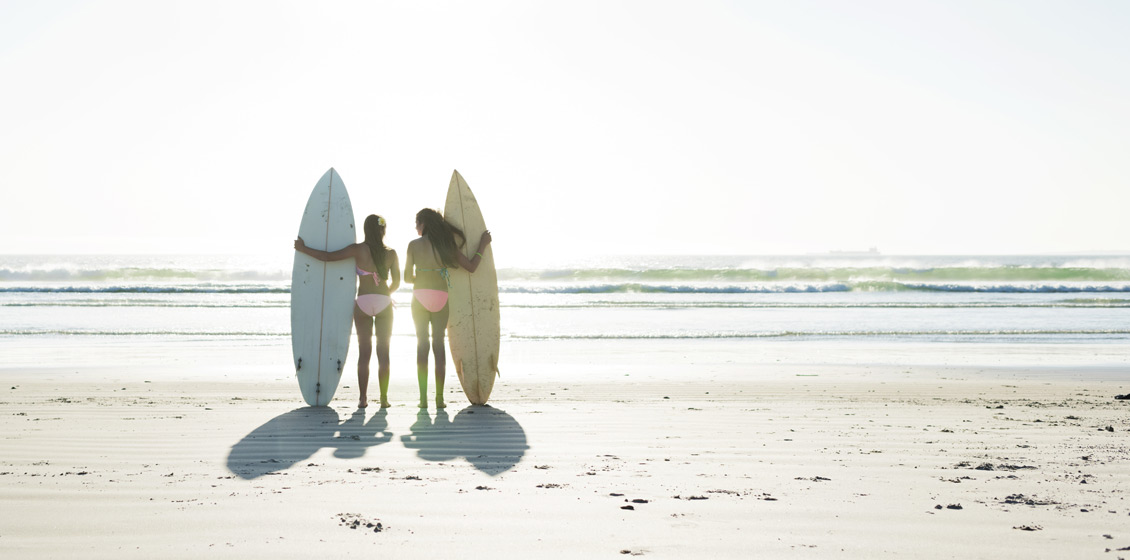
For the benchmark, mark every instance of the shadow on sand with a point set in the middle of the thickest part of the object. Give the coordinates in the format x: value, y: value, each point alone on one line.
x: 297, y: 435
x: 489, y: 438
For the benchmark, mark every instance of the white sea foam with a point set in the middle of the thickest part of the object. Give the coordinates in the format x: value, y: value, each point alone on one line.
x: 988, y: 298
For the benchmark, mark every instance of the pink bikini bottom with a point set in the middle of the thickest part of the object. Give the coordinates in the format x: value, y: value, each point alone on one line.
x: 373, y: 304
x: 432, y: 300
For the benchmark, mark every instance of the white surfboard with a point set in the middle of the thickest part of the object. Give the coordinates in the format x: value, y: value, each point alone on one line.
x: 473, y: 324
x: 322, y: 293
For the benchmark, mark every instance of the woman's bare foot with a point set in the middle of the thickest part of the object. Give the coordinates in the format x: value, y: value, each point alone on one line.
x: 439, y: 403
x: 423, y: 403
x: 363, y: 404
x: 384, y: 404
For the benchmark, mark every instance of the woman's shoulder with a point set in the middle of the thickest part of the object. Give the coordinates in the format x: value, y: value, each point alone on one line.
x: 361, y: 252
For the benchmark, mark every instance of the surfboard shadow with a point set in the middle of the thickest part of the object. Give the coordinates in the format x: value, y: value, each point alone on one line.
x: 297, y: 435
x: 489, y: 438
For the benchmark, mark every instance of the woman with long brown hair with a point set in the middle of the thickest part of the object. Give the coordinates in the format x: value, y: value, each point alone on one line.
x: 428, y: 259
x: 373, y: 307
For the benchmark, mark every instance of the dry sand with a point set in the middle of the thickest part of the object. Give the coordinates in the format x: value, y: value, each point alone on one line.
x: 734, y: 460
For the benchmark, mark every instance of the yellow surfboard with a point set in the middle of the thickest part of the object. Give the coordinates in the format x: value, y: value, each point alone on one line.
x: 473, y: 324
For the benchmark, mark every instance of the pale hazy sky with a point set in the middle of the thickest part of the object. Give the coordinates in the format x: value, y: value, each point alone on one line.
x: 751, y: 127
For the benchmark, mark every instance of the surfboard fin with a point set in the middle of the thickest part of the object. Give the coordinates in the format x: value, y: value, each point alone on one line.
x: 299, y: 365
x: 494, y: 364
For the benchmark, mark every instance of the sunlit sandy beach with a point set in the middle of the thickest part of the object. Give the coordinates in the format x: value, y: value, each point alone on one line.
x: 762, y: 279
x: 584, y: 453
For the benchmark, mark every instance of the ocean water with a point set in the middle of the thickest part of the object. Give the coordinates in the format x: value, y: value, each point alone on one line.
x: 1037, y: 300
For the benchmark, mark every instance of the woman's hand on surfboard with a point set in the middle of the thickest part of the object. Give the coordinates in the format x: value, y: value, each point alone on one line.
x: 299, y: 244
x: 484, y: 240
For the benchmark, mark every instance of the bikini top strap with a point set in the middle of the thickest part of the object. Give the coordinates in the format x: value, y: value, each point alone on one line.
x: 443, y: 273
x: 362, y: 272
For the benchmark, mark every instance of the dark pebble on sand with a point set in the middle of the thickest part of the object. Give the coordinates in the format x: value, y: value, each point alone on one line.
x: 1125, y: 397
x: 627, y: 507
x: 954, y: 506
x: 639, y: 501
x: 1110, y: 428
x: 616, y: 494
x: 939, y: 506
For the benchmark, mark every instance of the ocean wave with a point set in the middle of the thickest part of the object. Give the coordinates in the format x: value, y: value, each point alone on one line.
x: 99, y: 332
x: 1086, y: 303
x: 672, y: 289
x: 800, y: 288
x: 620, y: 288
x: 1002, y: 274
x: 612, y: 336
x: 137, y: 274
x: 128, y: 269
x: 146, y: 289
x: 823, y: 334
x: 164, y: 304
x: 1022, y: 288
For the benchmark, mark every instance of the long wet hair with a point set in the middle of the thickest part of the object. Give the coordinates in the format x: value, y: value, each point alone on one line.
x: 442, y: 236
x: 375, y: 239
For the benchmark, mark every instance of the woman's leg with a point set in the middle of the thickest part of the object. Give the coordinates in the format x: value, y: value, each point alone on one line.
x: 383, y: 322
x: 364, y: 324
x: 439, y: 330
x: 422, y: 318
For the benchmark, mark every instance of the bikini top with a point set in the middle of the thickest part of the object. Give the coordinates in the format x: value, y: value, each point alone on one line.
x: 376, y: 278
x: 442, y: 273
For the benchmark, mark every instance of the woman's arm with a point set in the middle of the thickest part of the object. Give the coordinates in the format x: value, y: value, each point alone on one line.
x: 394, y: 270
x: 473, y: 263
x: 324, y: 256
x: 409, y: 272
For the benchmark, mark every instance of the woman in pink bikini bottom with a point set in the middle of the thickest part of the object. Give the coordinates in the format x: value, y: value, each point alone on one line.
x: 373, y: 309
x: 428, y: 259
